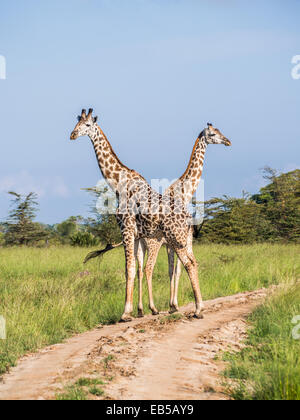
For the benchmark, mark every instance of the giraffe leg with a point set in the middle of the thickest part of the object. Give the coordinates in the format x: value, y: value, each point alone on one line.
x: 191, y: 255
x: 153, y: 249
x: 140, y: 255
x: 130, y: 275
x: 190, y: 264
x: 177, y: 277
x: 171, y: 261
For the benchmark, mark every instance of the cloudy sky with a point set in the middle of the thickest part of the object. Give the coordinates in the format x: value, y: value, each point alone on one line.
x: 155, y: 72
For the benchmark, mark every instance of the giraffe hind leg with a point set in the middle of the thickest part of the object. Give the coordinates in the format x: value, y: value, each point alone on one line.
x: 189, y: 262
x: 129, y: 247
x: 153, y: 250
x: 140, y: 251
x: 172, y: 275
x: 177, y: 274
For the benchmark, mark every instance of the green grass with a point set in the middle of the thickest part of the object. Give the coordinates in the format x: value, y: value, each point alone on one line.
x: 96, y: 391
x: 81, y: 390
x: 107, y: 360
x: 171, y: 318
x: 89, y: 381
x: 268, y: 368
x: 44, y: 300
x: 72, y: 393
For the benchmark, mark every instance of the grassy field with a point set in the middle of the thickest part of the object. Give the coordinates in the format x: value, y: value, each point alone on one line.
x: 269, y: 366
x: 44, y: 299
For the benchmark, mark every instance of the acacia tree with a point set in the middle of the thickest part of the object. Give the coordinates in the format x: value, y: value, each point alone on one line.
x: 280, y: 201
x: 20, y: 227
x: 102, y: 223
x: 271, y: 215
x: 234, y: 220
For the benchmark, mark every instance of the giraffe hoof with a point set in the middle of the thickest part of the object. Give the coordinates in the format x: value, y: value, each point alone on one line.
x: 155, y: 312
x: 141, y: 314
x: 126, y: 318
x: 198, y: 316
x: 173, y: 309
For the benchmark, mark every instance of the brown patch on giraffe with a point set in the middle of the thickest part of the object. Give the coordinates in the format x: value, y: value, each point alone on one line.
x: 116, y: 176
x: 191, y: 159
x: 112, y: 151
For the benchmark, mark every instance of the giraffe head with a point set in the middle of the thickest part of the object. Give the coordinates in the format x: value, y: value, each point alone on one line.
x: 86, y: 125
x: 214, y: 136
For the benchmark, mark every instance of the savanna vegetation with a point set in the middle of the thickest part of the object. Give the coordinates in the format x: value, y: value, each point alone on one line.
x: 272, y: 215
x: 47, y: 294
x: 268, y: 368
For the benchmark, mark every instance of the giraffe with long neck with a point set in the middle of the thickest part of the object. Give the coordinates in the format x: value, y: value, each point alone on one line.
x: 134, y: 223
x: 183, y: 190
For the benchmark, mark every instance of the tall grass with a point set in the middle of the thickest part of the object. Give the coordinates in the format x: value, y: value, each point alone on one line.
x: 44, y: 299
x: 269, y: 367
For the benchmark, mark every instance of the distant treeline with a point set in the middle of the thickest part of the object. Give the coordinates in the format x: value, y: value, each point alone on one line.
x: 272, y: 215
x: 269, y: 216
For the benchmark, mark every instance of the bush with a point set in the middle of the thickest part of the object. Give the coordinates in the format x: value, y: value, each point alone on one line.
x: 83, y: 239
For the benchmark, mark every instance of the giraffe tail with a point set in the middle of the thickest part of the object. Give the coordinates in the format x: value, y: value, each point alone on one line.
x: 101, y: 252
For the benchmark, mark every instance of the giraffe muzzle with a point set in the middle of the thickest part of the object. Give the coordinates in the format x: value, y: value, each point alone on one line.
x: 74, y: 135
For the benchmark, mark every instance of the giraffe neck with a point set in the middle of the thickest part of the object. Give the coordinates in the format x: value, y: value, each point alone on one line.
x: 111, y: 167
x: 187, y: 184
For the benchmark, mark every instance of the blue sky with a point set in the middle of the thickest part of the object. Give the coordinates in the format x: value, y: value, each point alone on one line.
x: 155, y: 71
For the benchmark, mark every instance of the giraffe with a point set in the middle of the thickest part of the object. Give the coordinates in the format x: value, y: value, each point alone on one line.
x: 134, y: 198
x: 183, y: 189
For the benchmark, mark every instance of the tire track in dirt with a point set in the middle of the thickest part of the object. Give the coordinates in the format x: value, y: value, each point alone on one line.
x: 150, y: 358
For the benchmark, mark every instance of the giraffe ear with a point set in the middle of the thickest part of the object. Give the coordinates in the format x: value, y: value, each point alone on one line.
x: 95, y: 119
x: 79, y: 118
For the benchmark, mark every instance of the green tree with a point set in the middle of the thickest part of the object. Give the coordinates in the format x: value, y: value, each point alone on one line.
x: 67, y: 229
x: 280, y: 202
x: 271, y: 215
x: 102, y: 224
x: 84, y: 239
x: 20, y: 228
x: 234, y: 220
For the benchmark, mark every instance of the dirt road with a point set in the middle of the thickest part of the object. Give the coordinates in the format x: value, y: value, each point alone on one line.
x: 164, y: 357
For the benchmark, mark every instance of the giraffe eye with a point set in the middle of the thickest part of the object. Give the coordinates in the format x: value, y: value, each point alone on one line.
x: 88, y: 125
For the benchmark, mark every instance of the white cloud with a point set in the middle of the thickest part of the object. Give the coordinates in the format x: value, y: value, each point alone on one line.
x: 24, y: 183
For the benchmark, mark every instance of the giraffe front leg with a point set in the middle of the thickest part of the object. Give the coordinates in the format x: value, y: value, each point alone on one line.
x: 140, y: 306
x: 130, y: 275
x: 140, y: 255
x: 171, y: 262
x: 153, y: 249
x: 177, y: 278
